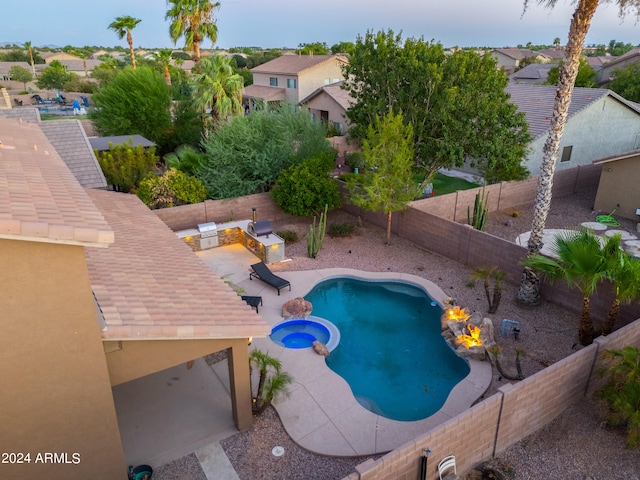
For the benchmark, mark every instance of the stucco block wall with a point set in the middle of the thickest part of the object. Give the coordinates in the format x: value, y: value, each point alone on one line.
x: 56, y: 394
x: 313, y: 78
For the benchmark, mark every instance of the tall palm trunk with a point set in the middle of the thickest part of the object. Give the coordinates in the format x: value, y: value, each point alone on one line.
x: 130, y: 42
x: 529, y: 293
x: 389, y: 228
x: 167, y: 75
x: 585, y: 330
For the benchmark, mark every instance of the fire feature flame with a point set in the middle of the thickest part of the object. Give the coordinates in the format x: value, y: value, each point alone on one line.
x: 471, y: 340
x: 458, y: 314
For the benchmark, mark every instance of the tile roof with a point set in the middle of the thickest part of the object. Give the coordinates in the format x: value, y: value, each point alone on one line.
x: 533, y: 71
x: 264, y: 92
x: 6, y: 66
x: 335, y: 91
x: 71, y: 143
x: 150, y: 285
x: 617, y: 156
x: 102, y: 143
x: 537, y: 101
x: 40, y: 199
x: 294, y: 64
x: 24, y: 114
x: 515, y: 53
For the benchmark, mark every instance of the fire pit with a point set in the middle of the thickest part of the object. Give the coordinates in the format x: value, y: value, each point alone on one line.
x: 468, y: 334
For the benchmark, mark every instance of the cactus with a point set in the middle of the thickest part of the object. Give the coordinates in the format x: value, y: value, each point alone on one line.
x: 316, y: 236
x: 480, y: 211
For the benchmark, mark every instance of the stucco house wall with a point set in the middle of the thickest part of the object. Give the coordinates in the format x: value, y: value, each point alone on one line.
x: 336, y: 113
x: 58, y: 395
x: 604, y: 128
x: 619, y: 187
x: 324, y: 74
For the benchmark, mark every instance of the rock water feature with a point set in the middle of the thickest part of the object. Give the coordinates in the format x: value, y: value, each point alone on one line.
x: 469, y: 335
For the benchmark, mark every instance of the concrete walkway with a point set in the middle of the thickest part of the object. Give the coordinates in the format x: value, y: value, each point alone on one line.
x: 179, y: 411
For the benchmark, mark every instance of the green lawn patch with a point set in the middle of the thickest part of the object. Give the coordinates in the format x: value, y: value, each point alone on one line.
x: 443, y: 184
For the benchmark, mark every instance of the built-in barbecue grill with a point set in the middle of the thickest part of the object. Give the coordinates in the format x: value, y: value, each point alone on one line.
x: 208, y: 235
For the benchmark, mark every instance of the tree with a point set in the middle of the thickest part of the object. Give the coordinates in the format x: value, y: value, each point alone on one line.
x: 28, y: 46
x: 125, y: 166
x: 346, y: 48
x: 247, y: 154
x: 304, y: 189
x: 20, y: 74
x: 529, y: 292
x: 194, y: 20
x: 135, y: 101
x: 622, y: 391
x: 586, y: 76
x: 387, y: 183
x: 486, y: 275
x: 317, y: 48
x: 624, y: 273
x: 53, y: 77
x: 456, y: 104
x: 556, y: 42
x: 218, y: 88
x: 626, y: 82
x: 617, y: 49
x: 579, y: 260
x: 123, y: 26
x: 272, y: 381
x: 185, y: 158
x: 163, y: 58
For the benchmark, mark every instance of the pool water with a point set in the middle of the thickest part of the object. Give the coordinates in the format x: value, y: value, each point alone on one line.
x: 299, y: 333
x: 391, y: 352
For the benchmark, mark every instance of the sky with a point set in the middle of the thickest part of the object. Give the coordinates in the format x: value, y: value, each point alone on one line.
x: 288, y: 23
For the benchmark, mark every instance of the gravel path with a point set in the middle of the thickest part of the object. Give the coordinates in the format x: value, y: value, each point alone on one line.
x: 574, y: 446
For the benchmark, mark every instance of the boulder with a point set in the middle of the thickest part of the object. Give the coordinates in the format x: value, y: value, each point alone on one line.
x: 296, y: 308
x: 320, y: 348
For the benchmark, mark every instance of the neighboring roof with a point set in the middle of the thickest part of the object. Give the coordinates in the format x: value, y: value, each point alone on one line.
x: 555, y: 53
x: 616, y: 157
x: 101, y: 144
x: 72, y: 144
x: 6, y: 66
x: 23, y: 114
x: 79, y: 65
x: 335, y: 91
x: 537, y: 101
x: 271, y: 94
x: 597, y: 62
x: 150, y: 285
x: 634, y: 52
x: 294, y: 64
x: 516, y: 53
x: 40, y: 199
x: 533, y: 71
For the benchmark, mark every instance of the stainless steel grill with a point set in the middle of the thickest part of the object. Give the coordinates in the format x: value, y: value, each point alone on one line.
x: 208, y: 235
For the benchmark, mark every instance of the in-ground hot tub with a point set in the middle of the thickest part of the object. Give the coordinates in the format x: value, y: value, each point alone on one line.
x: 301, y: 333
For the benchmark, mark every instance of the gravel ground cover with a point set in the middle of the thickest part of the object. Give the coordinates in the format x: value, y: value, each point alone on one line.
x: 577, y: 445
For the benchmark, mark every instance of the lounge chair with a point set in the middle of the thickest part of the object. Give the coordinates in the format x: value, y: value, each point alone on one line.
x: 262, y: 272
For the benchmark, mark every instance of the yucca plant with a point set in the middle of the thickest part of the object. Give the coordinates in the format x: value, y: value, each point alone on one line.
x: 486, y: 275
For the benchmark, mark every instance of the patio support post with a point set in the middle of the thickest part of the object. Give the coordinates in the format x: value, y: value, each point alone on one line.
x: 240, y: 384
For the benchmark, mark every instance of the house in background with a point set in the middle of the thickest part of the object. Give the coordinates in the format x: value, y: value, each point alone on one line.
x: 49, y: 57
x: 532, y: 74
x: 509, y: 58
x: 329, y: 104
x: 619, y: 188
x: 607, y: 73
x: 600, y: 123
x: 5, y: 68
x: 291, y: 78
x: 97, y: 291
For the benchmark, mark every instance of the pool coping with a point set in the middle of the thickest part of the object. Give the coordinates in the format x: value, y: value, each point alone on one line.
x: 321, y: 414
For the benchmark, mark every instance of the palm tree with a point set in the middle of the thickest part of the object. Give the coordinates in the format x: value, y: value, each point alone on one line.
x: 28, y: 46
x: 163, y: 57
x: 123, y: 26
x: 193, y: 19
x: 580, y: 262
x: 486, y: 274
x: 529, y: 293
x: 624, y: 272
x: 218, y: 88
x: 272, y: 381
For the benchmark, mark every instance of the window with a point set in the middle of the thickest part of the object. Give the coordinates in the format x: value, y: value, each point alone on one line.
x: 338, y: 127
x: 292, y: 83
x: 336, y: 80
x: 273, y: 81
x: 327, y: 81
x: 566, y: 154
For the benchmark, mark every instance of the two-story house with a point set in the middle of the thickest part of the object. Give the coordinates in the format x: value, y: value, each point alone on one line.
x: 291, y: 78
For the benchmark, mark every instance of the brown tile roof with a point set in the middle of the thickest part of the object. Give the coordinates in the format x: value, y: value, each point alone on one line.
x: 40, y: 199
x: 294, y: 64
x: 264, y: 92
x: 334, y: 91
x: 150, y: 285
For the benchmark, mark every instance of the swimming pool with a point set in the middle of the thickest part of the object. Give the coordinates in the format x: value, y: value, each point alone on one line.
x: 391, y: 352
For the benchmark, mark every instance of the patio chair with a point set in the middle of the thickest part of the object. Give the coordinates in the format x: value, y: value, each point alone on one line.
x: 252, y: 301
x: 445, y: 466
x: 262, y: 272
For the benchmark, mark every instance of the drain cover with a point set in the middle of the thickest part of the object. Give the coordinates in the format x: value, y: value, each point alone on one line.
x: 277, y: 451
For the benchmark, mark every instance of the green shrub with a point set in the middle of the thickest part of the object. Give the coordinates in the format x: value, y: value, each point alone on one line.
x: 343, y: 229
x: 124, y: 166
x: 355, y: 160
x: 171, y: 189
x: 289, y: 236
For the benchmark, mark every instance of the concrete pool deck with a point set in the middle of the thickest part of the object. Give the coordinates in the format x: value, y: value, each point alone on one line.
x: 321, y: 414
